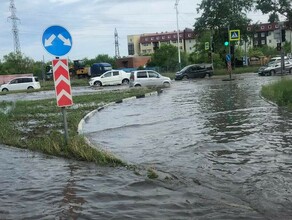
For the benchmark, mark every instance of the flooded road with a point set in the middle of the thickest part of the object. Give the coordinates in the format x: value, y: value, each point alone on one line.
x: 226, y: 150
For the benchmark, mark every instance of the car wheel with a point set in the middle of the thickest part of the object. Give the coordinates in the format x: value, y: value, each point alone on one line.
x: 5, y: 90
x: 30, y: 88
x: 125, y: 82
x: 203, y: 76
x: 137, y: 85
x: 272, y: 72
x: 166, y: 84
x: 97, y: 83
x: 185, y: 78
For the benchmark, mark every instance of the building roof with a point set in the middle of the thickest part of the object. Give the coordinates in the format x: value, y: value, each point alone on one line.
x: 187, y: 33
x: 263, y: 27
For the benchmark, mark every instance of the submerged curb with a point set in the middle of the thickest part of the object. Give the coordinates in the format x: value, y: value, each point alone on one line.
x: 92, y: 113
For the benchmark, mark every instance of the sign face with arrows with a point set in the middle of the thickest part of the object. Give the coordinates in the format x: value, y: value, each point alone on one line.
x: 62, y: 82
x: 57, y: 40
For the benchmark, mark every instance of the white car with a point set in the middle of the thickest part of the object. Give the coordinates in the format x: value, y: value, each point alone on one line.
x: 148, y: 78
x: 21, y: 83
x: 111, y: 77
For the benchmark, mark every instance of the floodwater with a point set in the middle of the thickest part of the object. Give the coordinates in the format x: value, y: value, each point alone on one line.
x: 225, y: 151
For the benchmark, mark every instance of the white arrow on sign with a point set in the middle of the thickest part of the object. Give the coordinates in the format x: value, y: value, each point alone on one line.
x: 65, y: 40
x: 48, y: 42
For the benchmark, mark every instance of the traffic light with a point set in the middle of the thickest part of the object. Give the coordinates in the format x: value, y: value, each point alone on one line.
x: 226, y: 39
x: 283, y: 35
x: 278, y: 46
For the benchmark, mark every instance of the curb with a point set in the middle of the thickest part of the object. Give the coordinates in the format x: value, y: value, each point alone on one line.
x: 90, y: 114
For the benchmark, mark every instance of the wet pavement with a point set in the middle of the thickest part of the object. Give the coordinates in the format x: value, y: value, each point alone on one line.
x: 226, y: 150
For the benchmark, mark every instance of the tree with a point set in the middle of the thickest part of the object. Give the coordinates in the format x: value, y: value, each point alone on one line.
x: 166, y: 57
x: 15, y: 63
x: 218, y: 15
x: 275, y: 7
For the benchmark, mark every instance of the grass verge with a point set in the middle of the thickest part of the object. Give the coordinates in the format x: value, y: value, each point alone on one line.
x: 38, y: 126
x: 279, y: 92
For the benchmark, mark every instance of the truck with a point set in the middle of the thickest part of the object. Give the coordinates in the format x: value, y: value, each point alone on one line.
x: 81, y: 71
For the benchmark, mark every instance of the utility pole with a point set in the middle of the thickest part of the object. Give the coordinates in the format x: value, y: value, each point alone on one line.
x: 14, y: 20
x: 177, y: 30
x: 117, y: 50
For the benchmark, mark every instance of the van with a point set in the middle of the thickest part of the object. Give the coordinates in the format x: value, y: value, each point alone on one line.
x: 21, y: 83
x: 148, y: 78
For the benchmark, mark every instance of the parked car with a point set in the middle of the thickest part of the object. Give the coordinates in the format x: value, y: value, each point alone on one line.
x: 112, y: 77
x: 273, y: 68
x: 195, y: 71
x: 148, y: 78
x: 21, y: 83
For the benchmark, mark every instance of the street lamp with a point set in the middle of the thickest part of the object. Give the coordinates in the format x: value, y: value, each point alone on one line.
x: 178, y: 43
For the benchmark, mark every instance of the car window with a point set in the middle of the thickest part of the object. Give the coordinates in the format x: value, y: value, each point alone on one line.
x: 26, y: 80
x: 107, y: 74
x: 142, y: 74
x: 14, y: 81
x: 36, y: 79
x: 153, y: 74
x: 115, y: 73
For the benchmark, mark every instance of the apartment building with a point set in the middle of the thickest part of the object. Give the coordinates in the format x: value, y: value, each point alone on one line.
x: 268, y: 34
x: 147, y: 43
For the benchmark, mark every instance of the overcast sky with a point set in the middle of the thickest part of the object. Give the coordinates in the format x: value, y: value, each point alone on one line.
x: 92, y: 23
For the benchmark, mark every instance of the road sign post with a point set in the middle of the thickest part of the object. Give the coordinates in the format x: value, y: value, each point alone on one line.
x: 58, y: 42
x: 62, y: 89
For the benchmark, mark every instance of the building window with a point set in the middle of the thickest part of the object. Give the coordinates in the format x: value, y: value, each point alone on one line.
x: 270, y: 41
x: 174, y: 36
x: 152, y: 38
x: 262, y: 27
x: 146, y: 39
x: 131, y: 49
x: 174, y: 41
x: 168, y: 36
x: 189, y: 35
x: 270, y: 26
x: 276, y: 26
x: 248, y: 28
x: 263, y: 42
x: 255, y: 35
x: 163, y: 37
x: 263, y: 34
x: 157, y: 38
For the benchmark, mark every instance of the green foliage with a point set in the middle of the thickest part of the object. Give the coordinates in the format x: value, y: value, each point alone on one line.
x: 166, y: 57
x: 279, y: 92
x: 275, y: 7
x: 263, y: 51
x: 15, y: 63
x: 217, y: 15
x: 37, y: 125
x: 102, y: 58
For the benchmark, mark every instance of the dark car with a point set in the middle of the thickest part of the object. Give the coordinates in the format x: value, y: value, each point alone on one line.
x: 195, y: 71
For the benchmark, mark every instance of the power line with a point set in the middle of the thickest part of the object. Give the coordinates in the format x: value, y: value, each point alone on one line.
x: 14, y: 20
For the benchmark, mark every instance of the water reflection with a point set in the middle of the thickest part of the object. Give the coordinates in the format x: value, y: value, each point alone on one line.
x: 71, y: 204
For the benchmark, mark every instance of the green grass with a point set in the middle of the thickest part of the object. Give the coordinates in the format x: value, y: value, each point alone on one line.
x: 38, y: 126
x: 279, y: 92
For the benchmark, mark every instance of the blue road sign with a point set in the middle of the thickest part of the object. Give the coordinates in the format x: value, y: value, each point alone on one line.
x: 228, y: 58
x: 57, y: 40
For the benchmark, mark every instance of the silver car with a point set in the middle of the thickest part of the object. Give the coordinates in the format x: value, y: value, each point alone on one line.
x: 148, y: 78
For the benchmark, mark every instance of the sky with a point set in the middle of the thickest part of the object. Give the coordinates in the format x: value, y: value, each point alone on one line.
x: 92, y: 23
